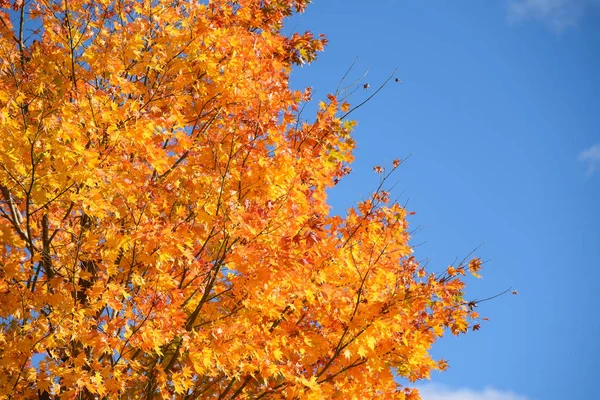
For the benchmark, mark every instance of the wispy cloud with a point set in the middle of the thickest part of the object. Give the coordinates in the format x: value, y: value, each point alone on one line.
x: 438, y: 392
x: 591, y: 156
x: 557, y: 14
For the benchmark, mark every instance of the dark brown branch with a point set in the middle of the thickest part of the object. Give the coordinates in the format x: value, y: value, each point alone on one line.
x: 370, y: 97
x: 241, y: 388
x: 46, y: 259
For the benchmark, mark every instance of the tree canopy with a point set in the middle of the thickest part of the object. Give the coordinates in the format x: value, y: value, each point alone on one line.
x: 164, y: 221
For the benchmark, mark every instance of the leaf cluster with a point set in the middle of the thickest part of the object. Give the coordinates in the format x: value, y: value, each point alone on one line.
x: 164, y: 221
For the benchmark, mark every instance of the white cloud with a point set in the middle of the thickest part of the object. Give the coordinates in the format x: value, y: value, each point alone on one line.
x: 558, y: 14
x: 592, y: 157
x: 438, y: 392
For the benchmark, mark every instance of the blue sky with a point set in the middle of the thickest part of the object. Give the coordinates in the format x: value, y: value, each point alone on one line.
x: 500, y: 109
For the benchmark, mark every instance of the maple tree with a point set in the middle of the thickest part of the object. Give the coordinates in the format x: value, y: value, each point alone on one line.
x: 164, y: 221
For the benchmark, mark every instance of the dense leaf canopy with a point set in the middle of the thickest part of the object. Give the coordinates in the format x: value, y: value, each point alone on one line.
x: 164, y: 221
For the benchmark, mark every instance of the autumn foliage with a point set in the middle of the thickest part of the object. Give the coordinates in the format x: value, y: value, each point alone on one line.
x: 164, y: 221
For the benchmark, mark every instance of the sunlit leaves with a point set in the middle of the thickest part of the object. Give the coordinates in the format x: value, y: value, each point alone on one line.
x: 164, y: 216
